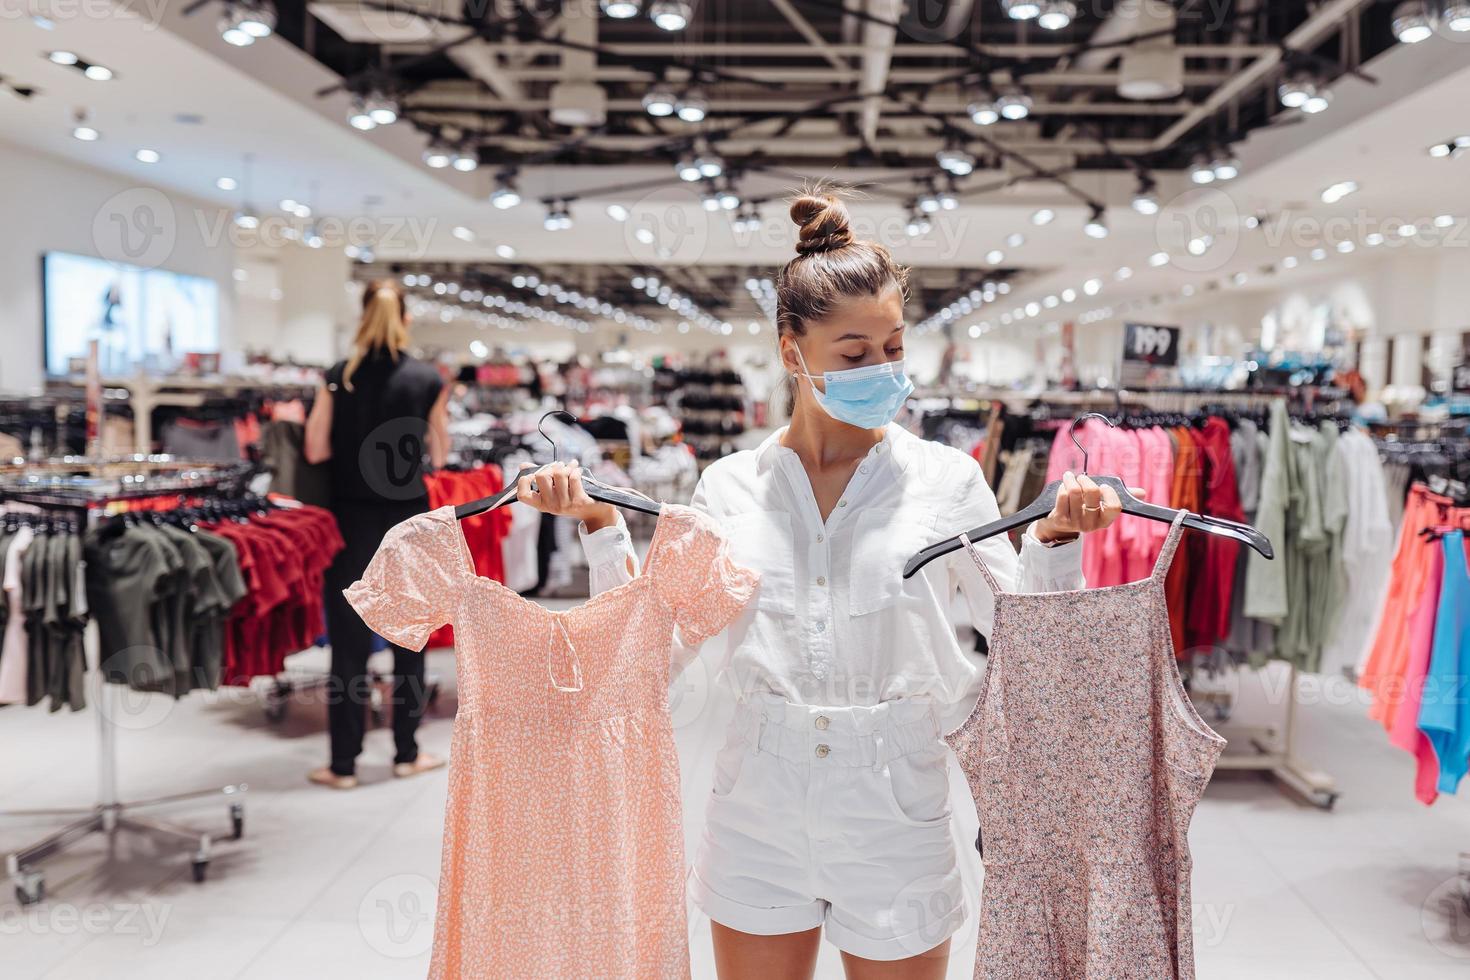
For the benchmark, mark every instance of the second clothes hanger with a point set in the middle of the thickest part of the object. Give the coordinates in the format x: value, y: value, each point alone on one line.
x: 597, y: 490
x: 1042, y: 506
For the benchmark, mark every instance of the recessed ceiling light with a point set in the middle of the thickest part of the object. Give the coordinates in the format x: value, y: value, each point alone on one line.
x: 146, y: 156
x: 995, y: 256
x: 98, y: 73
x: 463, y: 234
x: 1123, y: 273
x: 62, y: 58
x: 1158, y: 258
x: 1373, y: 239
x: 1441, y: 150
x: 1346, y: 246
x: 505, y: 251
x: 1444, y: 221
x: 1407, y: 230
x: 226, y: 183
x: 617, y: 212
x: 1015, y: 239
x: 1290, y: 262
x: 86, y: 134
x: 1092, y: 286
x: 1318, y: 254
x: 1069, y: 294
x: 1042, y: 216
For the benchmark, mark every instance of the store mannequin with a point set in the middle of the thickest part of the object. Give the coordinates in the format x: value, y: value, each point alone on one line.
x: 374, y: 415
x: 840, y: 647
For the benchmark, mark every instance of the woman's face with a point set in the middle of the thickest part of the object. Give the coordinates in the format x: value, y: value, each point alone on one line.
x: 860, y: 331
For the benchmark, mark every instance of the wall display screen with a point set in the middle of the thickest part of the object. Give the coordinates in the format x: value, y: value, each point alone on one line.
x: 141, y: 318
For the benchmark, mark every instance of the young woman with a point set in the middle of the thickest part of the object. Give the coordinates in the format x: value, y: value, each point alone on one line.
x: 830, y: 803
x: 372, y: 419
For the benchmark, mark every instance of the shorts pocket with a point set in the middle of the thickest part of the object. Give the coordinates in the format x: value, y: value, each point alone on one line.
x: 730, y: 764
x: 917, y: 786
x: 762, y: 540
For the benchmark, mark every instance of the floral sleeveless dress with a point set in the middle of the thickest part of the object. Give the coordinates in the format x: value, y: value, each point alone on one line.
x: 1086, y: 760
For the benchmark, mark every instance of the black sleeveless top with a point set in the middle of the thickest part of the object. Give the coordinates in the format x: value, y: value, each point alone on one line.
x: 379, y: 428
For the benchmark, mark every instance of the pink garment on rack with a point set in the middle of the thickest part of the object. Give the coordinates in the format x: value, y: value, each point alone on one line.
x: 14, y: 662
x: 1113, y: 452
x: 1158, y: 483
x: 563, y: 853
x: 1405, y: 732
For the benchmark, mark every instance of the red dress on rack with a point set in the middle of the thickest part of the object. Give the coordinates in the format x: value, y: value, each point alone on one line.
x: 484, y: 533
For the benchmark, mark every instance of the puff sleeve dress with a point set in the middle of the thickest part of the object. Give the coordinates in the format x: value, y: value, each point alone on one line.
x: 563, y: 850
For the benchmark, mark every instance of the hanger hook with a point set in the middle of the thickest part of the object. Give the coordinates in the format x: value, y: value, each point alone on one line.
x: 1072, y: 432
x: 564, y: 416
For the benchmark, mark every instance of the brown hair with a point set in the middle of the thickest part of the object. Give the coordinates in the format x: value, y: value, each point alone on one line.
x: 831, y: 265
x: 384, y: 325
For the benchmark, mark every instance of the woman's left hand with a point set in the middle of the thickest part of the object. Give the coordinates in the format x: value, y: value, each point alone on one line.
x: 1081, y: 506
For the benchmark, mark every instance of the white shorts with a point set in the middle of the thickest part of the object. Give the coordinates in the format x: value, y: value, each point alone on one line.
x: 833, y: 815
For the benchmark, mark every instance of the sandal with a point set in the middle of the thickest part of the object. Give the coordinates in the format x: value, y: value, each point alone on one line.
x: 423, y: 763
x: 326, y: 777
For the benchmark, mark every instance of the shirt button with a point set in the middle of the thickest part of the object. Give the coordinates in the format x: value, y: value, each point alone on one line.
x: 822, y: 750
x: 841, y: 503
x: 820, y: 539
x: 821, y: 580
x: 823, y: 721
x: 863, y: 468
x: 820, y: 626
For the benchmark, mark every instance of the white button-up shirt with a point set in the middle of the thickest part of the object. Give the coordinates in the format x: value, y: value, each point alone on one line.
x: 834, y: 622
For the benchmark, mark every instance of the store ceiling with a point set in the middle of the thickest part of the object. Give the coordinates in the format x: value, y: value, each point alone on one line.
x: 284, y: 102
x: 835, y: 82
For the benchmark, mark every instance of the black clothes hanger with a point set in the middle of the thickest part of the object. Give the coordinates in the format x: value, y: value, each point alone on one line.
x: 1042, y: 506
x: 597, y: 490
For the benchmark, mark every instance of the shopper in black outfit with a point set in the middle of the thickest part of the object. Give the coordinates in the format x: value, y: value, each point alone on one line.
x: 375, y: 416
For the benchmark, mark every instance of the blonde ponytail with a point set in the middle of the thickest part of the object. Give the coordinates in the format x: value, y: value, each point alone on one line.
x: 383, y: 325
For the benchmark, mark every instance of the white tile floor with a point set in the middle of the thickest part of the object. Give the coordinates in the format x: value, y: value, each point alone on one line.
x: 332, y: 885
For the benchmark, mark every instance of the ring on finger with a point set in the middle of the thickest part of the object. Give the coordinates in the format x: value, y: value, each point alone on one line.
x: 1091, y: 509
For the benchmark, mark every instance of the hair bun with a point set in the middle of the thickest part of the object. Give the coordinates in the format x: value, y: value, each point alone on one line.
x: 823, y: 221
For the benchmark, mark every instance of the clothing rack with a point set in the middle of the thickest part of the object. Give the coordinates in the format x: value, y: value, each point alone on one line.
x: 1273, y: 746
x: 82, y: 488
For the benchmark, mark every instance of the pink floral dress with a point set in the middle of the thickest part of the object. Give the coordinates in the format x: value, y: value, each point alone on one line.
x: 563, y: 843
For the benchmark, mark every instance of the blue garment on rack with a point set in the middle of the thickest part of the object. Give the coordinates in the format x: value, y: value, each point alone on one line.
x: 1444, y: 715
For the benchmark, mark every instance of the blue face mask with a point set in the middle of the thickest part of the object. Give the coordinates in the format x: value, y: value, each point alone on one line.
x: 868, y: 397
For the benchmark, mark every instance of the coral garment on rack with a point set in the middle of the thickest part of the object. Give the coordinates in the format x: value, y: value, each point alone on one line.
x: 563, y: 852
x: 1185, y: 495
x: 1383, y: 672
x: 484, y: 533
x: 1085, y: 791
x: 1419, y: 666
x: 1404, y: 732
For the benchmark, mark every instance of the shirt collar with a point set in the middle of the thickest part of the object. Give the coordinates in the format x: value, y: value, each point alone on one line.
x: 897, y: 441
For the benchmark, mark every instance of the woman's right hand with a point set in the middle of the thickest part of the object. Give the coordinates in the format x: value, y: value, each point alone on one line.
x: 558, y: 490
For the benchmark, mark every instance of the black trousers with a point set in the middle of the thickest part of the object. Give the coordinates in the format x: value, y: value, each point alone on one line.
x: 363, y: 526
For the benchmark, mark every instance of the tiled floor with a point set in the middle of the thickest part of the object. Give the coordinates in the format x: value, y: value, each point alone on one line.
x: 331, y: 885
